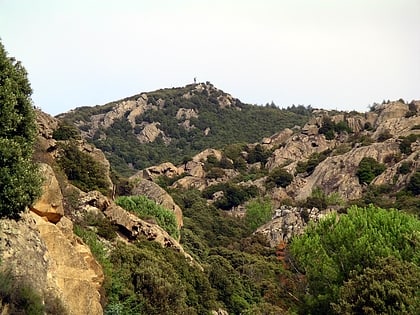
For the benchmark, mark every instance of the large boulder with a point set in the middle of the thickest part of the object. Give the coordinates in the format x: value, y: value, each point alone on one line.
x: 53, y: 261
x: 50, y: 204
x: 133, y: 228
x: 288, y: 222
x: 72, y: 267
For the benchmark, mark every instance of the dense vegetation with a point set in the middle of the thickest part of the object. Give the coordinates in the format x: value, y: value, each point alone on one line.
x: 19, y: 178
x: 340, y: 254
x: 215, y: 126
x: 148, y: 209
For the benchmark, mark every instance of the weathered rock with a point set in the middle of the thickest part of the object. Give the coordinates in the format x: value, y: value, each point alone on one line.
x: 132, y: 227
x: 186, y: 113
x: 278, y: 138
x: 159, y: 195
x: 53, y: 261
x: 72, y: 267
x: 50, y: 204
x: 164, y: 169
x: 299, y: 147
x: 190, y: 182
x: 288, y: 222
x: 202, y: 156
x: 338, y: 173
x: 46, y: 124
x: 150, y: 132
x: 194, y: 168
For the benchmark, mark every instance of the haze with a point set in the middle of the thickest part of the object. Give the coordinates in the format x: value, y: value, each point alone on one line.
x: 332, y: 54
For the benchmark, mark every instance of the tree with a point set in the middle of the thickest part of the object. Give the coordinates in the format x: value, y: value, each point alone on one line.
x: 19, y: 178
x: 258, y: 212
x: 340, y: 248
x: 390, y: 287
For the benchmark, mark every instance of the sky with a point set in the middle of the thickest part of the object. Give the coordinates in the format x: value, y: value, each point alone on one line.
x: 331, y: 54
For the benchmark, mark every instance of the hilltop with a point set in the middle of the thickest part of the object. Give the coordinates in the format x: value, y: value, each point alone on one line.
x: 175, y: 124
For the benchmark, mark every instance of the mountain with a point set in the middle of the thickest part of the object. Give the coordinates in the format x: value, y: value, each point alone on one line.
x: 208, y: 234
x: 175, y: 124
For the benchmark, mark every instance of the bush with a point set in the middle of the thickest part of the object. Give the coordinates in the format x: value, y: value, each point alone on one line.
x: 405, y: 144
x: 389, y: 287
x: 368, y: 169
x: 82, y: 170
x: 279, y: 177
x: 20, y: 296
x: 414, y: 183
x: 66, y: 131
x: 258, y: 212
x: 146, y: 208
x: 338, y: 248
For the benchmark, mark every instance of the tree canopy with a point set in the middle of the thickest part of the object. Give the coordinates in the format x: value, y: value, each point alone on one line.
x: 339, y: 249
x: 19, y: 179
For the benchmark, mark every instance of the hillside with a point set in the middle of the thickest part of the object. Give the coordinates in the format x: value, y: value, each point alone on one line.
x: 175, y: 124
x: 209, y: 235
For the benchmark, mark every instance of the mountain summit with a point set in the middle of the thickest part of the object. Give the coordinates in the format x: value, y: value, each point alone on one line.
x: 174, y: 124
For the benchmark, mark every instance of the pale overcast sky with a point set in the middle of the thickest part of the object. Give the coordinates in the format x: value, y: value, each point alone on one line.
x: 333, y: 54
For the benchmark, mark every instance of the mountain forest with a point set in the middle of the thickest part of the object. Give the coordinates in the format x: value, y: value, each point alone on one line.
x: 187, y: 201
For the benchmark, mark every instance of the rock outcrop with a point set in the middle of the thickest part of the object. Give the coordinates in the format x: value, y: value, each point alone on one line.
x: 50, y: 204
x: 53, y: 261
x: 338, y: 173
x: 288, y: 222
x: 165, y: 169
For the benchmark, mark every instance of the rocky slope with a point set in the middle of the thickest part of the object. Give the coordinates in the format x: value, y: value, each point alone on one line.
x: 322, y: 159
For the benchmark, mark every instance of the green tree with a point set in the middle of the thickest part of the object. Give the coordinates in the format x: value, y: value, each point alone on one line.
x: 390, y: 287
x: 19, y: 178
x: 341, y: 247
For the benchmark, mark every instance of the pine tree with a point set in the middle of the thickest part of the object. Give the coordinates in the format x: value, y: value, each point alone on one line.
x: 19, y: 178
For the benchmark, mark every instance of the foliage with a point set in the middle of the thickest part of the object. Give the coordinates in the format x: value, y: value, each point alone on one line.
x: 66, y: 131
x: 146, y: 208
x: 337, y: 248
x: 313, y: 161
x: 329, y: 128
x: 81, y: 169
x: 414, y: 183
x: 19, y: 178
x: 233, y: 194
x: 20, y: 296
x: 405, y: 144
x: 405, y: 167
x: 258, y: 212
x: 279, y: 177
x: 240, y: 123
x: 368, y: 169
x: 155, y: 280
x: 389, y: 287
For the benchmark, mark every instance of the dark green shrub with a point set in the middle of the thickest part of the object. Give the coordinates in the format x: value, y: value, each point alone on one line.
x: 368, y: 169
x: 388, y: 287
x: 384, y: 136
x: 414, y: 183
x: 81, y: 169
x: 279, y: 177
x: 405, y: 144
x: 405, y: 167
x: 66, y: 131
x: 20, y: 296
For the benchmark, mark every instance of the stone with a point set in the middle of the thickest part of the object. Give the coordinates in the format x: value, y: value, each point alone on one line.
x: 50, y: 204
